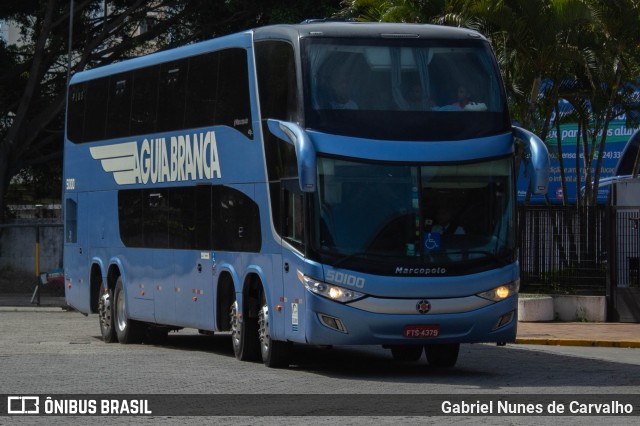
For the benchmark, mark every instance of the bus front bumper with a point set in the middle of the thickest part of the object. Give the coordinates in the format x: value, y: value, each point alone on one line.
x: 331, y: 323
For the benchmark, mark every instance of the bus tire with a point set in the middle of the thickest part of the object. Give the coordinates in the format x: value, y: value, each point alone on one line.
x: 106, y: 316
x: 244, y: 336
x: 406, y: 352
x: 127, y: 330
x: 443, y: 355
x: 275, y: 353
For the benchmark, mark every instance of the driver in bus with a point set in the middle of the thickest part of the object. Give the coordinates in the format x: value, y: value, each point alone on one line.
x: 444, y: 223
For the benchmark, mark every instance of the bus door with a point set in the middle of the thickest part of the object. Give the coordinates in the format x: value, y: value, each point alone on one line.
x: 193, y: 288
x: 183, y: 272
x: 76, y: 265
x: 293, y: 233
x: 164, y: 290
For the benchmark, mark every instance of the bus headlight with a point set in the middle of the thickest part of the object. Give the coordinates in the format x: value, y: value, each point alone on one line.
x: 330, y: 291
x: 501, y: 292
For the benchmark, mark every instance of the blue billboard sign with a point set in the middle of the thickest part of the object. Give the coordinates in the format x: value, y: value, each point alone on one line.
x: 618, y: 135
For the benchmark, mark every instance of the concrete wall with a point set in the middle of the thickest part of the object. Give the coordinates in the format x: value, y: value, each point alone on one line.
x: 17, y: 247
x: 563, y: 308
x: 535, y: 309
x: 580, y: 308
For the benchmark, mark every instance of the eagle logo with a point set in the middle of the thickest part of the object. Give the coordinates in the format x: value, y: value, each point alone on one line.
x: 119, y: 159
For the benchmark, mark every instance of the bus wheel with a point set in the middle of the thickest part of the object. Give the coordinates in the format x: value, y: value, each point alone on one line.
x: 444, y: 355
x: 128, y: 330
x: 406, y: 352
x: 105, y: 316
x: 244, y: 335
x: 275, y: 353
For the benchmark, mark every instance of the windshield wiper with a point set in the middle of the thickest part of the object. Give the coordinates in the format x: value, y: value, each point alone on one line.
x: 499, y: 259
x: 353, y: 256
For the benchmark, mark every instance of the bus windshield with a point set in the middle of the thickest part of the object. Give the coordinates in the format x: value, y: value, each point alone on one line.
x: 374, y: 217
x: 403, y: 89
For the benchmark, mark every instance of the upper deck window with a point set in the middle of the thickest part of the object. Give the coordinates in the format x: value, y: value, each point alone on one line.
x: 403, y: 89
x: 211, y: 89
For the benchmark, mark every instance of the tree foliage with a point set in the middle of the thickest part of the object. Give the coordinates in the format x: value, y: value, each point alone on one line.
x: 408, y: 11
x: 585, y: 52
x: 550, y: 51
x: 33, y: 73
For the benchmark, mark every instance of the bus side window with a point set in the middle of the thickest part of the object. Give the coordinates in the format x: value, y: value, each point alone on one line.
x: 71, y: 221
x: 96, y: 110
x: 233, y: 107
x: 76, y: 112
x: 130, y: 217
x: 190, y: 217
x: 172, y: 94
x: 293, y: 209
x: 203, y: 217
x: 145, y: 101
x: 155, y: 222
x: 119, y: 105
x: 182, y: 223
x: 277, y: 80
x: 235, y: 221
x: 201, y: 90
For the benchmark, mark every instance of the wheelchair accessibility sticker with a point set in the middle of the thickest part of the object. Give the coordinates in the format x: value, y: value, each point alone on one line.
x: 431, y: 241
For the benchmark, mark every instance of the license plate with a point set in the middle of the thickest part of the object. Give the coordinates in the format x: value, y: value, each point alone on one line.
x: 421, y: 331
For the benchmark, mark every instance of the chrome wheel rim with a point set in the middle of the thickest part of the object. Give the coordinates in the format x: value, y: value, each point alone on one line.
x: 104, y: 310
x: 263, y: 329
x: 235, y: 326
x: 120, y: 312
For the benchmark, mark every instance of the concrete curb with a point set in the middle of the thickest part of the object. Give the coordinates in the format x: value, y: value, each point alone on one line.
x: 32, y: 309
x: 579, y: 342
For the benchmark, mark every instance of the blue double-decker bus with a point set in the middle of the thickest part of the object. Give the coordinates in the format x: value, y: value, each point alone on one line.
x: 321, y: 183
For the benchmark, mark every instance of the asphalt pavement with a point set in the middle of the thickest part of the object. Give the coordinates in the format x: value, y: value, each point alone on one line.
x: 601, y: 334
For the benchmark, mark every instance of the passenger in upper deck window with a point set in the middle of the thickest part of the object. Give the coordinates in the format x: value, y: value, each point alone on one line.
x: 465, y: 101
x: 416, y: 99
x: 463, y: 96
x: 340, y: 92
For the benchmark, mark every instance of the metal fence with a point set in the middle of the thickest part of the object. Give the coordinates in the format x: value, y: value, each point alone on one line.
x: 626, y: 262
x: 563, y: 249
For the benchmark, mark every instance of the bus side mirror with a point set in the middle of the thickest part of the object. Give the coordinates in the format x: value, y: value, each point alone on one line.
x: 538, y: 164
x: 305, y: 151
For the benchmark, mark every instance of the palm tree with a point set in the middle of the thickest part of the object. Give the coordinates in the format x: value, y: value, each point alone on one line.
x: 582, y: 51
x: 615, y: 41
x: 415, y: 11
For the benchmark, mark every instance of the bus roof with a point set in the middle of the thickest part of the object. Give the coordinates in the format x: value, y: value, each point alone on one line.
x: 368, y: 30
x: 242, y: 39
x: 285, y: 31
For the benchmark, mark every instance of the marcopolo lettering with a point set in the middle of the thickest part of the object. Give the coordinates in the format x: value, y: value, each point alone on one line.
x: 400, y: 270
x: 176, y: 159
